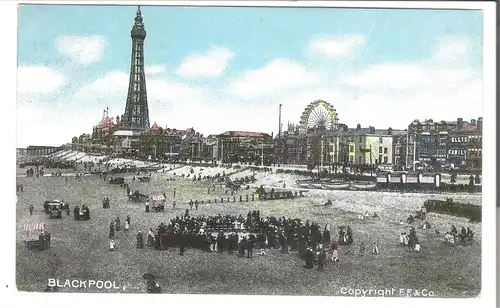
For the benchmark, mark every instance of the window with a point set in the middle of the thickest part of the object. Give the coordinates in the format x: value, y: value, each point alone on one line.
x: 380, y: 140
x: 380, y: 158
x: 380, y: 149
x: 351, y: 148
x: 385, y: 150
x: 385, y: 159
x: 360, y: 139
x: 397, y: 150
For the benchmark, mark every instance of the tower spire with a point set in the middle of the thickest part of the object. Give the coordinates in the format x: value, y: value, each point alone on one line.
x: 136, y: 110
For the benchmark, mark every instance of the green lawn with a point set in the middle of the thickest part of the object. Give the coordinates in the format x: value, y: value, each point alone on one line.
x: 80, y: 248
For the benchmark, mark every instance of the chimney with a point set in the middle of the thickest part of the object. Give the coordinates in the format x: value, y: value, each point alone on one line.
x: 372, y: 130
x: 389, y: 131
x: 473, y: 122
x: 480, y: 122
x: 460, y: 123
x: 358, y: 127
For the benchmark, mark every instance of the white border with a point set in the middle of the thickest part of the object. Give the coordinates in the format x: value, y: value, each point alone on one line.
x: 8, y: 11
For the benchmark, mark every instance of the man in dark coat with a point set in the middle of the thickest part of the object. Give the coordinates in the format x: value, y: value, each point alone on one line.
x: 41, y: 241
x: 140, y: 240
x: 326, y: 237
x: 321, y: 260
x: 31, y: 209
x: 111, y: 230
x: 463, y: 235
x: 302, y: 247
x: 86, y: 213
x: 76, y: 212
x: 470, y: 235
x: 349, y: 235
x: 250, y: 245
x: 47, y: 239
x: 309, y: 259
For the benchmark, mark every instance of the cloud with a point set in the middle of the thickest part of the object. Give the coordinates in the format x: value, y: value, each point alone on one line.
x: 38, y: 79
x: 109, y: 89
x: 453, y: 48
x: 337, y: 47
x: 38, y: 125
x: 83, y: 50
x: 155, y: 70
x: 278, y: 75
x: 210, y: 64
x: 409, y: 76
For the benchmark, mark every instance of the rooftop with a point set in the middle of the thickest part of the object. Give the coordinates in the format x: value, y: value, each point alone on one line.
x: 244, y: 134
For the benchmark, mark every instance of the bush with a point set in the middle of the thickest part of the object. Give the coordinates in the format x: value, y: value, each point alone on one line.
x: 471, y: 211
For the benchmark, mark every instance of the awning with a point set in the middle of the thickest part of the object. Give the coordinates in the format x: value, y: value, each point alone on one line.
x: 31, y: 227
x: 159, y: 198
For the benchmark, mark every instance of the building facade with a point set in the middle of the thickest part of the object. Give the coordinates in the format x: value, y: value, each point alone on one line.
x: 465, y: 146
x: 399, y: 149
x: 355, y: 146
x: 445, y: 144
x: 245, y: 147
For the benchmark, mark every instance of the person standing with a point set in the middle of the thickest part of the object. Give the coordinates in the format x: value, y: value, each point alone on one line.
x: 250, y: 245
x: 111, y: 230
x: 321, y: 259
x: 47, y: 239
x: 41, y: 241
x: 117, y: 224
x: 76, y: 212
x: 31, y: 208
x: 309, y: 258
x: 140, y: 240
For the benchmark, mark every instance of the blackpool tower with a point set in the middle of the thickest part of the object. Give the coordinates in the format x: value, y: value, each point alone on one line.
x: 136, y: 114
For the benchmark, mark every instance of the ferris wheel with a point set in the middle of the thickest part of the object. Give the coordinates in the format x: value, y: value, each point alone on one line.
x: 319, y: 116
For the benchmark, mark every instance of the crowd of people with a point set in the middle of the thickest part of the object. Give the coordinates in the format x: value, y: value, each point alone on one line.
x: 241, y: 236
x: 466, y: 236
x: 82, y: 213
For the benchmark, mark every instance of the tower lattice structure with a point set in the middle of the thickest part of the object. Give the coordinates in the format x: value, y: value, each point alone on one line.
x: 136, y: 110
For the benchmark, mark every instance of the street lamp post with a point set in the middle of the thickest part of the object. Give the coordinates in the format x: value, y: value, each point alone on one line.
x: 262, y: 155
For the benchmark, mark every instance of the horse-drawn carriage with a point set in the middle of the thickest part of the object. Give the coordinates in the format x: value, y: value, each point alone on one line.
x: 138, y: 197
x: 54, y: 208
x: 118, y: 180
